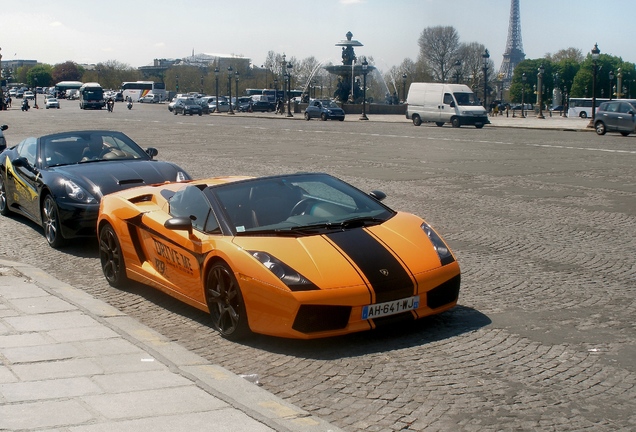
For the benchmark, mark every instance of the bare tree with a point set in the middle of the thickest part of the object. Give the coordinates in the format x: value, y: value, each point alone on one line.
x: 438, y: 50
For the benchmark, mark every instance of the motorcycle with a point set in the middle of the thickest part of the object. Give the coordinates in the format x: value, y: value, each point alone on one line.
x: 110, y: 105
x: 129, y: 104
x: 25, y: 105
x: 3, y: 141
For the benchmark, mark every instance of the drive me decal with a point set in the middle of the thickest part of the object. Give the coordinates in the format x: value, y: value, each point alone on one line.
x: 173, y: 258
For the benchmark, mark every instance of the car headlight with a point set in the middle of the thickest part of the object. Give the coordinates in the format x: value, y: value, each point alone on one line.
x: 443, y: 252
x: 290, y: 277
x: 78, y: 193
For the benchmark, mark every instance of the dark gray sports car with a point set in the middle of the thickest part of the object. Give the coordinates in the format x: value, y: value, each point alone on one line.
x: 58, y: 180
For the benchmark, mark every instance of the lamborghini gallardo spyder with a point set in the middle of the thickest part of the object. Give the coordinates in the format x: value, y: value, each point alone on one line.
x: 300, y: 256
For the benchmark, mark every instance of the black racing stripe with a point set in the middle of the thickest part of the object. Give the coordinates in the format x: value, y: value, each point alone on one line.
x: 374, y: 259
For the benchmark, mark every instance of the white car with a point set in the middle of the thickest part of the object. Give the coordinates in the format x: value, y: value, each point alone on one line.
x: 51, y: 102
x: 149, y: 98
x: 29, y: 95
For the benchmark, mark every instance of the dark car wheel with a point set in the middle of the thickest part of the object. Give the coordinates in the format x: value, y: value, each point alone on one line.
x: 323, y: 117
x: 417, y: 120
x: 225, y: 303
x: 439, y: 124
x: 111, y: 257
x: 455, y: 122
x: 600, y: 128
x: 307, y: 116
x: 4, y: 205
x: 583, y: 115
x: 51, y: 223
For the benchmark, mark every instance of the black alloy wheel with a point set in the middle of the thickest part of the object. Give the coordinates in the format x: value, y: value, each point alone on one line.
x: 51, y: 223
x: 225, y: 303
x: 600, y: 128
x: 112, y: 257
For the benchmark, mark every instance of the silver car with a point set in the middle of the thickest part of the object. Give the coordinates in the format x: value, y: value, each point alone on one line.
x: 616, y: 116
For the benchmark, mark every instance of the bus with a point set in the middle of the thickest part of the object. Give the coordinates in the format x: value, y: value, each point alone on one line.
x: 63, y: 86
x: 138, y: 89
x: 582, y: 107
x: 272, y: 95
x: 91, y: 95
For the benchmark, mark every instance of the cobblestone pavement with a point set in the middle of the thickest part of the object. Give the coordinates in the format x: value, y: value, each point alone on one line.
x: 542, y: 223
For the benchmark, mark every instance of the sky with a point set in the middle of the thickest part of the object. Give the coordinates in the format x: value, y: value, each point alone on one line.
x: 135, y: 32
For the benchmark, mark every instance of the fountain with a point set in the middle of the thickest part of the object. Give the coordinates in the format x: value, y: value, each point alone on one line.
x: 347, y: 90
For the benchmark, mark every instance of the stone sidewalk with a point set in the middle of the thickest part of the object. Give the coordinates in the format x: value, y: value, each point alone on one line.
x: 70, y: 362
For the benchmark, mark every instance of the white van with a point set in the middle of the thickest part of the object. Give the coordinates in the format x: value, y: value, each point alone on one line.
x: 445, y: 103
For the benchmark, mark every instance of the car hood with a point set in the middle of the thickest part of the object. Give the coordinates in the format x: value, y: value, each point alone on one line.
x: 104, y: 177
x: 385, y: 256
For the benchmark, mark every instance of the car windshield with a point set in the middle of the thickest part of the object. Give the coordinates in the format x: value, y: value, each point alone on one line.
x: 90, y: 146
x: 300, y: 204
x: 329, y: 104
x: 466, y: 99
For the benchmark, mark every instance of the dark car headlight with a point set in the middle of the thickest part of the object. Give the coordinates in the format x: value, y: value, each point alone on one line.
x: 78, y: 193
x: 290, y: 277
x: 443, y: 252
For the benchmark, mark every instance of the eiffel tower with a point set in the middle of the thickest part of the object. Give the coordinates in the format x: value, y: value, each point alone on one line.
x: 514, y: 47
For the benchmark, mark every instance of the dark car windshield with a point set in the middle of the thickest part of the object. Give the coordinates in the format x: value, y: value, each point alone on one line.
x: 466, y: 99
x: 90, y: 146
x: 300, y: 203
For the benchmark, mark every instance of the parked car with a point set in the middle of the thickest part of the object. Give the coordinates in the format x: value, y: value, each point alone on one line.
x: 224, y: 106
x: 119, y: 97
x: 263, y: 106
x: 29, y: 95
x: 174, y: 102
x: 324, y: 109
x: 187, y: 106
x: 203, y: 103
x: 297, y: 256
x: 51, y: 102
x: 149, y: 98
x: 616, y: 116
x: 74, y: 171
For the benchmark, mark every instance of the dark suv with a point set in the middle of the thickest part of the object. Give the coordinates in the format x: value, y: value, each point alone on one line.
x: 616, y: 116
x: 187, y: 106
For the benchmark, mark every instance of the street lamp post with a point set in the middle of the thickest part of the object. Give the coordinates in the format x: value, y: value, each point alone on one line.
x: 3, y: 107
x: 404, y: 87
x: 237, y: 80
x: 229, y: 87
x: 595, y: 55
x: 458, y: 66
x: 611, y: 77
x: 289, y: 79
x: 35, y: 93
x: 524, y: 78
x: 619, y: 84
x: 486, y: 56
x: 176, y: 78
x: 284, y: 72
x: 365, y: 66
x: 201, y: 85
x: 540, y: 90
x: 216, y: 86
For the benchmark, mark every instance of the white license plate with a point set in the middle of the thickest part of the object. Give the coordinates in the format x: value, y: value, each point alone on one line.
x: 390, y: 308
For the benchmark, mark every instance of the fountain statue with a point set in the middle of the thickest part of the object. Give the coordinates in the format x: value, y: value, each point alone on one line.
x: 349, y: 89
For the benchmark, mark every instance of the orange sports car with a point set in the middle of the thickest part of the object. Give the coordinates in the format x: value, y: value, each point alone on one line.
x: 300, y: 256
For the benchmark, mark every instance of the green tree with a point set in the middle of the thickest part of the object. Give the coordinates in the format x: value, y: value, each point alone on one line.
x: 582, y: 84
x: 40, y: 76
x: 531, y: 69
x: 67, y: 71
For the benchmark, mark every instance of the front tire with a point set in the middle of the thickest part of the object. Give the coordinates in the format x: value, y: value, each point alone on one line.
x: 112, y: 257
x: 455, y: 122
x: 225, y: 303
x: 583, y: 115
x: 307, y: 116
x: 51, y: 223
x: 323, y: 117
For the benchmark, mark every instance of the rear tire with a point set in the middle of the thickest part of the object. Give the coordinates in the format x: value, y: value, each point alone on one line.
x: 4, y: 205
x: 600, y: 128
x: 307, y: 116
x: 112, y: 257
x: 417, y: 120
x: 583, y: 115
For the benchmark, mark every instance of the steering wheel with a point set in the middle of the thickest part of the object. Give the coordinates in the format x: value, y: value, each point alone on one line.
x: 301, y: 206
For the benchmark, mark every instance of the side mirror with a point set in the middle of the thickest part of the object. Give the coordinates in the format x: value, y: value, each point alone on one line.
x: 20, y: 162
x: 452, y: 104
x: 152, y: 152
x: 378, y: 195
x: 178, y: 224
